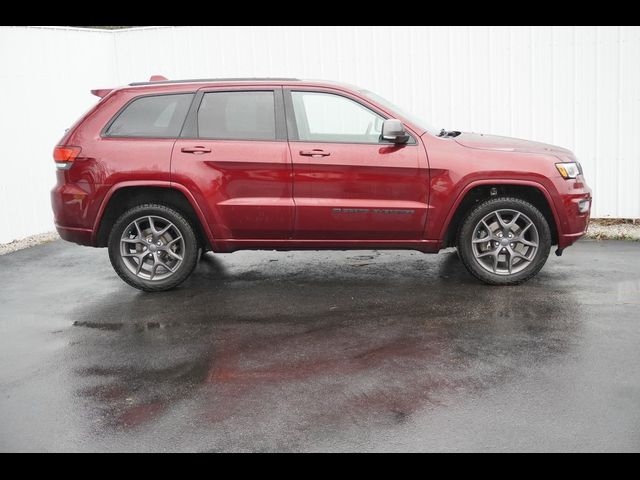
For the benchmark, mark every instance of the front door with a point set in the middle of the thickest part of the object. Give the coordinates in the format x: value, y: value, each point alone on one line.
x: 234, y: 159
x: 348, y: 184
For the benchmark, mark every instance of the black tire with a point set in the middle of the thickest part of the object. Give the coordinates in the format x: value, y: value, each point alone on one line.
x: 466, y: 232
x: 189, y: 255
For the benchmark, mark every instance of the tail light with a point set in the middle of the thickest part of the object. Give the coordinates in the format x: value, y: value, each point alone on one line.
x: 64, y: 155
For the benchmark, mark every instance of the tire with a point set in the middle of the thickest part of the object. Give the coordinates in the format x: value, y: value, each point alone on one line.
x: 166, y: 261
x: 504, y: 260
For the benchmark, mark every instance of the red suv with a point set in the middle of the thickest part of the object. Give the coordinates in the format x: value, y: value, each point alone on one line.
x: 162, y: 171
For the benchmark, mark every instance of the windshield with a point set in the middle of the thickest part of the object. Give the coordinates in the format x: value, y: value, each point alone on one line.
x: 417, y: 121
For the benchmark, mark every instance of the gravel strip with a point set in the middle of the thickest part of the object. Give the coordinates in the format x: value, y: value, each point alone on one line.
x: 28, y: 242
x: 614, y: 231
x: 598, y: 229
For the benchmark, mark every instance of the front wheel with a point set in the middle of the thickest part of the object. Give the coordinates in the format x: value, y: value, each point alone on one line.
x: 504, y: 241
x: 153, y: 247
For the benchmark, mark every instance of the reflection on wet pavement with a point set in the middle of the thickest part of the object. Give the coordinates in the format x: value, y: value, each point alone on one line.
x: 322, y: 351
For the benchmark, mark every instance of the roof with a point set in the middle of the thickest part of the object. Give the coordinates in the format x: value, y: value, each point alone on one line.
x: 212, y: 80
x: 165, y: 85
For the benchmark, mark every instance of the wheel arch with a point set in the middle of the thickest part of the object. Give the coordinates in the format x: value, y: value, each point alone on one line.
x: 126, y: 195
x: 475, y: 192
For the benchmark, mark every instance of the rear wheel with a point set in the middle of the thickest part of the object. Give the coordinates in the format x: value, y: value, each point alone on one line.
x: 153, y: 247
x: 504, y: 241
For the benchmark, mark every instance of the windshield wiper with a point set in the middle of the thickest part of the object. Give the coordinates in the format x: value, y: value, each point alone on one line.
x: 448, y: 133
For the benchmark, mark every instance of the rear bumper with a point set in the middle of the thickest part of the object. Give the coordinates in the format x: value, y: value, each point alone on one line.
x: 81, y: 236
x: 74, y: 210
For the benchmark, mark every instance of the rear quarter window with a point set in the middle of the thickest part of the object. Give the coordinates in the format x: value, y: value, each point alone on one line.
x: 156, y: 116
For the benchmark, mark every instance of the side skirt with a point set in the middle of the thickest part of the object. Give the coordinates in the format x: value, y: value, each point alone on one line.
x: 232, y: 245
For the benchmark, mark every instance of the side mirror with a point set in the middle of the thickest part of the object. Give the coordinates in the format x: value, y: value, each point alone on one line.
x: 393, y: 131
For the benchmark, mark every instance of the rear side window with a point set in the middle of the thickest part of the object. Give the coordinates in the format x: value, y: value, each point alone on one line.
x: 237, y: 116
x: 159, y: 116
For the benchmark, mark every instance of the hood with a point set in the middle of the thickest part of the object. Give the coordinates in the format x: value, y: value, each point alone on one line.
x: 507, y: 144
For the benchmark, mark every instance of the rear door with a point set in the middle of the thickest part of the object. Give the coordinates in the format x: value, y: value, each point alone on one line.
x: 233, y: 157
x: 349, y: 184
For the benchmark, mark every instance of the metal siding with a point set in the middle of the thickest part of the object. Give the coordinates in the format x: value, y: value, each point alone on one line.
x: 578, y: 87
x: 45, y: 78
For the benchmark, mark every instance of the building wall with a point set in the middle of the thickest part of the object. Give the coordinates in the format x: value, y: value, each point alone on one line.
x: 578, y: 87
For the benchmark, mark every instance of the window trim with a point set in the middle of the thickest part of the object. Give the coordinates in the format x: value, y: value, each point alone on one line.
x: 292, y: 127
x: 190, y: 127
x: 105, y: 129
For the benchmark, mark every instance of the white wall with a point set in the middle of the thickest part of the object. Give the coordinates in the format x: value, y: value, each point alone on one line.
x: 576, y: 87
x: 45, y: 78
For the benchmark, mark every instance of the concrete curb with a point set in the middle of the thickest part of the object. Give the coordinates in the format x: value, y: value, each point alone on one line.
x: 27, y: 242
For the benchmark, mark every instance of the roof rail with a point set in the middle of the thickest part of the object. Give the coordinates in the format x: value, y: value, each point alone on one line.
x: 202, y: 80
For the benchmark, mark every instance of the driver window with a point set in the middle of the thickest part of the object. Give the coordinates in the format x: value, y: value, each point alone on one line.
x: 325, y: 117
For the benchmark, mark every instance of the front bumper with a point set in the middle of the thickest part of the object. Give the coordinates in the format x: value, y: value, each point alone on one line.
x: 573, y: 220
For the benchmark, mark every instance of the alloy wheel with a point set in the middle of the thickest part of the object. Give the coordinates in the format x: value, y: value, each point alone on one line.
x: 505, y: 242
x: 152, y: 247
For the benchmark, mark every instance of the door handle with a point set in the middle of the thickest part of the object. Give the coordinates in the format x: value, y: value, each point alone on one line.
x: 316, y: 152
x: 196, y: 150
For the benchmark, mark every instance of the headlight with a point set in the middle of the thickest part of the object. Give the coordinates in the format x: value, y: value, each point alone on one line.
x: 569, y: 169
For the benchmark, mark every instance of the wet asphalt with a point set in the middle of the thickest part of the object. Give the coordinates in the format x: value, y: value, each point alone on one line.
x: 320, y: 351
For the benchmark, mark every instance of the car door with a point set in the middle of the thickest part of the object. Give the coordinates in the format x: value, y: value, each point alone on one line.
x: 233, y: 157
x: 348, y: 184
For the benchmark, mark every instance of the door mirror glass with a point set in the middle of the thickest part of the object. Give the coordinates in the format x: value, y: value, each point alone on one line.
x: 393, y: 131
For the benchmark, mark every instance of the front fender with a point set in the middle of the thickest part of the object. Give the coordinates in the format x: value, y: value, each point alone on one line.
x: 439, y: 223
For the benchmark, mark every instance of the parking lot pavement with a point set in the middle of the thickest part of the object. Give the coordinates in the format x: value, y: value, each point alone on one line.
x: 366, y: 350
